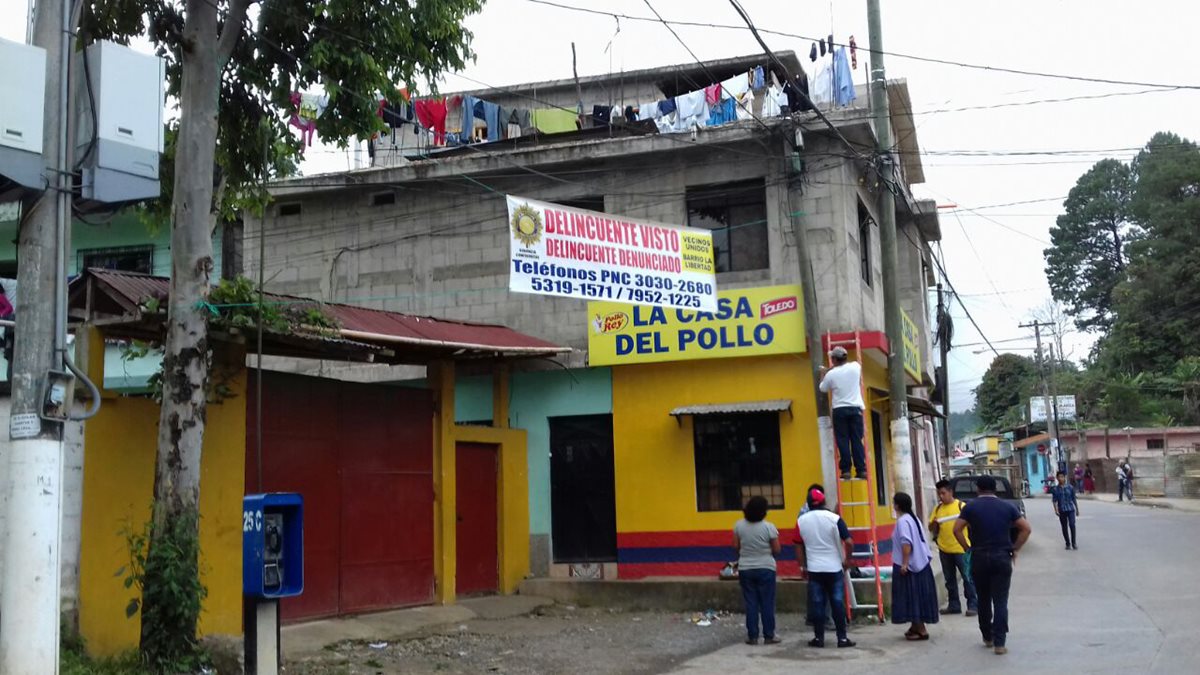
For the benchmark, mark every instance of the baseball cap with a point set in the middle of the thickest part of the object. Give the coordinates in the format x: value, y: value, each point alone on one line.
x: 816, y: 496
x: 838, y: 352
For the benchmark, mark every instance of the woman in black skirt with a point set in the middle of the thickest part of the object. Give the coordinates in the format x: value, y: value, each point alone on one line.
x: 914, y: 592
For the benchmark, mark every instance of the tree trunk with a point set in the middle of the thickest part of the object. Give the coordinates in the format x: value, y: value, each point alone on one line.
x: 186, y: 359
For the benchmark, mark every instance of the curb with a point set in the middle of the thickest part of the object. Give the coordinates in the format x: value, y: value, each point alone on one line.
x: 1144, y: 502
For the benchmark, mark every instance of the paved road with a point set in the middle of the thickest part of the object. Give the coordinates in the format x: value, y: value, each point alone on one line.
x: 1127, y: 601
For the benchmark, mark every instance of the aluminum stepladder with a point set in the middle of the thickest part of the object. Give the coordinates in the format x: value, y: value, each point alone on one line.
x: 869, y: 489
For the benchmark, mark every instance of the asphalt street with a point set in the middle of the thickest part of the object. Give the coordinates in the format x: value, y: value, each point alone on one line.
x: 1128, y: 601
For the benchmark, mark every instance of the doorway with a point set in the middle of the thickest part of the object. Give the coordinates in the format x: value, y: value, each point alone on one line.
x: 583, y: 505
x: 477, y: 549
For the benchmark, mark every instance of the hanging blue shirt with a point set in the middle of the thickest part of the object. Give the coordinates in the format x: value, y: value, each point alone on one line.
x: 723, y: 112
x: 843, y: 81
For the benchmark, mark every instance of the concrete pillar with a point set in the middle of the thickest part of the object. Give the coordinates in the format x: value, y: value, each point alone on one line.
x: 445, y: 516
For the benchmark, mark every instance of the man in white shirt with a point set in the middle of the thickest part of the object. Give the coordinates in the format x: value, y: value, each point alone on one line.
x: 844, y: 380
x: 824, y: 550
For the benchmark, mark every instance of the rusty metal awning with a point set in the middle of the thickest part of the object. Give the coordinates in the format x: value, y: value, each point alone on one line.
x: 774, y: 405
x: 923, y: 407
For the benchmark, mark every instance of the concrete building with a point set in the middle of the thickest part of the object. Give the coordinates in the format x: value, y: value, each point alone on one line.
x: 425, y: 232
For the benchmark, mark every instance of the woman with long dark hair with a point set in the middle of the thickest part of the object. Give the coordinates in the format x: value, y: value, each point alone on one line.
x: 914, y: 591
x: 757, y: 543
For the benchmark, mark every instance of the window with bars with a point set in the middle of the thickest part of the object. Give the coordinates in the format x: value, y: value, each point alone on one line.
x: 737, y: 215
x: 1155, y: 444
x: 737, y: 457
x: 123, y: 259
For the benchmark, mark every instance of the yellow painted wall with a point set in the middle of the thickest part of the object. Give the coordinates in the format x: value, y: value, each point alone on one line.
x: 654, y: 455
x: 118, y: 485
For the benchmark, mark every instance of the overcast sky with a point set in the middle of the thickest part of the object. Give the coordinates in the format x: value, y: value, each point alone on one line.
x: 994, y: 257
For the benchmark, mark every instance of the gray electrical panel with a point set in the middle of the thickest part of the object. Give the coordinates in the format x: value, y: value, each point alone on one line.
x: 22, y: 97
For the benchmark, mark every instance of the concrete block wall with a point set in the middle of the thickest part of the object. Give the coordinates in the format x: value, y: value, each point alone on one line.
x: 72, y: 516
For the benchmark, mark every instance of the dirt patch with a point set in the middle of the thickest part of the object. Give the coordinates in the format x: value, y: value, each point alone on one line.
x: 552, y: 639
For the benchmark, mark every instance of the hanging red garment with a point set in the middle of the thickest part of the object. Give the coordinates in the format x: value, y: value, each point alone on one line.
x: 712, y: 94
x: 436, y: 110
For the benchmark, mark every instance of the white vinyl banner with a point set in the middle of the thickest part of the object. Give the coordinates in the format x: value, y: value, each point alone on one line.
x: 559, y: 250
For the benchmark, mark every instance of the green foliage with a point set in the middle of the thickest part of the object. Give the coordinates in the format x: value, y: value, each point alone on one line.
x: 169, y: 593
x: 1003, y: 389
x: 73, y: 659
x: 1086, y: 259
x: 354, y: 49
x: 963, y: 423
x: 235, y: 302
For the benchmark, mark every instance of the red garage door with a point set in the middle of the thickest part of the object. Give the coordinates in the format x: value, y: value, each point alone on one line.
x: 362, y: 456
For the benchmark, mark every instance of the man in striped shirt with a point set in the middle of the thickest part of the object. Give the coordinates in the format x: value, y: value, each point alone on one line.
x: 951, y: 552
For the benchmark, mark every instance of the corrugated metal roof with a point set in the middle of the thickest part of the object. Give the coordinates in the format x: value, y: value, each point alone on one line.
x: 363, y: 325
x: 774, y: 405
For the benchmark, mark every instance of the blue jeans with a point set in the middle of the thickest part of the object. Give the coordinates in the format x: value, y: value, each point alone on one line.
x: 992, y: 570
x: 848, y: 433
x: 758, y: 590
x: 827, y: 590
x: 1067, y: 520
x: 952, y: 565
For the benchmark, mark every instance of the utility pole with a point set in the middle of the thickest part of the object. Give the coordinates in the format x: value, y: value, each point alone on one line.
x: 893, y: 325
x: 1053, y: 412
x: 1051, y: 419
x: 29, y: 610
x: 812, y: 329
x: 944, y: 385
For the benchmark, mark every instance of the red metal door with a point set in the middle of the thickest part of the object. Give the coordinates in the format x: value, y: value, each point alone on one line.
x: 362, y: 457
x: 477, y: 556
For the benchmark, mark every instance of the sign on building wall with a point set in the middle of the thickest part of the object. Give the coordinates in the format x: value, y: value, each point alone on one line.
x: 559, y: 250
x: 1037, y: 408
x: 747, y: 322
x: 912, y: 347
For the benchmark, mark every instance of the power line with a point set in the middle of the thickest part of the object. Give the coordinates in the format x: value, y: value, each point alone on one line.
x: 971, y: 318
x: 926, y: 59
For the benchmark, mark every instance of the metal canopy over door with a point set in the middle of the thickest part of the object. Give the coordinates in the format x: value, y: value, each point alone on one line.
x: 362, y: 457
x: 583, y: 502
x: 478, y: 534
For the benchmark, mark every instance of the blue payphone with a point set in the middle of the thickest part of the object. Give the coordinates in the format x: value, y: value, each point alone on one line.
x: 272, y: 568
x: 273, y: 545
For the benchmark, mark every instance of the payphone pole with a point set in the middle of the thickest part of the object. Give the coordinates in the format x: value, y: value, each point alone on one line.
x: 272, y: 568
x: 262, y: 643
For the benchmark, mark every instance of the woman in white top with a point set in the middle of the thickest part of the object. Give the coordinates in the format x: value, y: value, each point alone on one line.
x: 757, y: 544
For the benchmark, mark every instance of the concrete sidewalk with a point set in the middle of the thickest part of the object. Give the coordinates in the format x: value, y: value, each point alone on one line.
x: 1186, y: 505
x: 306, y: 639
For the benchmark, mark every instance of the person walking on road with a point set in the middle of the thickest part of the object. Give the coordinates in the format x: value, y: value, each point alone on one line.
x: 1066, y: 506
x: 757, y: 543
x: 914, y: 592
x: 993, y: 556
x: 824, y: 551
x: 1078, y: 481
x: 844, y: 380
x: 953, y: 556
x: 1089, y: 482
x: 1128, y: 480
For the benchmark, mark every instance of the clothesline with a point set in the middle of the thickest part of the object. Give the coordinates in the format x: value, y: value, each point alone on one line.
x: 464, y: 119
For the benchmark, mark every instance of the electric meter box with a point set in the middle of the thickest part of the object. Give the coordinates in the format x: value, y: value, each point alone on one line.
x: 23, y: 92
x: 127, y: 90
x: 273, y: 545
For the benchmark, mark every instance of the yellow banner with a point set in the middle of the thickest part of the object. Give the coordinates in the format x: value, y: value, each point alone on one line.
x: 912, y: 349
x: 748, y: 322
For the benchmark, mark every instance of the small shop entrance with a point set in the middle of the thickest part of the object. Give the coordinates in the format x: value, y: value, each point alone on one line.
x: 477, y: 550
x: 582, y: 492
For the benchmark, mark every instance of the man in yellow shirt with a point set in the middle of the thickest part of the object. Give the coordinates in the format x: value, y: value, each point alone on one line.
x: 954, y: 558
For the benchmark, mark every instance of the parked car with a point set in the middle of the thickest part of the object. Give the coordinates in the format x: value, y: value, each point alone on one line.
x: 964, y: 489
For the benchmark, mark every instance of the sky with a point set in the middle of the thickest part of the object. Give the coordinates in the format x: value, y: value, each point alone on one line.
x: 984, y: 160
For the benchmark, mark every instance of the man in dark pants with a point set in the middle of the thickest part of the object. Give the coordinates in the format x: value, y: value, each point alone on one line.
x: 954, y: 558
x: 844, y: 381
x: 824, y: 551
x: 993, y: 556
x: 1065, y: 507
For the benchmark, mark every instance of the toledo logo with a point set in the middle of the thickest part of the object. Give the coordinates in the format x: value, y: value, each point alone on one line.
x: 780, y: 306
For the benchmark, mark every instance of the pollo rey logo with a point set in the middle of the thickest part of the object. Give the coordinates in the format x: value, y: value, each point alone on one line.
x: 527, y: 225
x: 773, y: 307
x: 610, y: 323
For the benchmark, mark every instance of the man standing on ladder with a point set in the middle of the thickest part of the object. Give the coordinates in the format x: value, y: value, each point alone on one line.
x: 844, y: 380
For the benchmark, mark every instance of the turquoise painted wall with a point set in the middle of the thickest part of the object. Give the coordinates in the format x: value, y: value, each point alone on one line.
x: 122, y: 230
x: 533, y: 398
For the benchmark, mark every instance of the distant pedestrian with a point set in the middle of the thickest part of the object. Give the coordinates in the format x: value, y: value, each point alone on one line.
x: 844, y: 380
x: 1128, y: 480
x: 914, y: 592
x: 1122, y: 482
x: 952, y: 554
x: 993, y: 556
x: 757, y: 543
x: 824, y: 551
x: 1065, y: 507
x: 1089, y: 482
x: 1078, y: 482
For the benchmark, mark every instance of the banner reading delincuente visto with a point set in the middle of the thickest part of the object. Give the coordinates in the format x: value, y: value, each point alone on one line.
x: 560, y: 250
